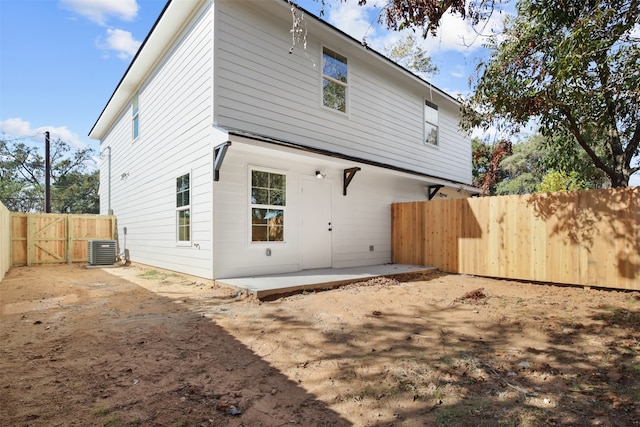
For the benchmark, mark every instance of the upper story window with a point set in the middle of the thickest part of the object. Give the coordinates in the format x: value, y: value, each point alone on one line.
x: 268, y: 201
x: 135, y: 119
x: 334, y: 80
x: 430, y: 123
x: 183, y: 208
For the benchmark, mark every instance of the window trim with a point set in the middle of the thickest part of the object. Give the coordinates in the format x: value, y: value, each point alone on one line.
x: 433, y: 106
x: 183, y: 208
x: 135, y: 116
x: 323, y: 76
x: 261, y: 206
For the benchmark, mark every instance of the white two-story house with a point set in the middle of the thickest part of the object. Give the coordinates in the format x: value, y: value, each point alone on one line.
x: 230, y: 151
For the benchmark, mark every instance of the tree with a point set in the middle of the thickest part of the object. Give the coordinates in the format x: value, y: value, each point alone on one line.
x: 480, y: 160
x: 485, y: 161
x: 563, y: 155
x: 572, y: 66
x: 22, y: 178
x: 77, y: 192
x: 427, y: 14
x: 411, y: 56
x: 560, y: 181
x: 525, y: 168
x: 532, y: 161
x: 538, y: 158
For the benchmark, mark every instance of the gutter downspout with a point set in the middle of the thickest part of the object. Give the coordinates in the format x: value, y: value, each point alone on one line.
x: 109, y: 211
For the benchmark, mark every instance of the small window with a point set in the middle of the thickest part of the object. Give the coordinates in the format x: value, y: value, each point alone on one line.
x: 183, y: 208
x: 268, y: 201
x: 430, y: 123
x: 334, y: 80
x: 135, y: 120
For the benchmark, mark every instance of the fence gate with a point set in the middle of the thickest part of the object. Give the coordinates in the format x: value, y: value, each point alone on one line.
x: 56, y: 238
x: 49, y: 242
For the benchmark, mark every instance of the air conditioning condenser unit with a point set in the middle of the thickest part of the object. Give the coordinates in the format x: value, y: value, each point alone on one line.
x: 102, y: 252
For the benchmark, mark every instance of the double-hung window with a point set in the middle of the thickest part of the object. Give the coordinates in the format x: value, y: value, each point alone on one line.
x: 135, y: 117
x: 334, y: 80
x: 183, y: 209
x: 430, y: 123
x: 268, y: 201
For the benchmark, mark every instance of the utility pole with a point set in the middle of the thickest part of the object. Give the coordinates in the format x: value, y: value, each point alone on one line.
x: 47, y: 173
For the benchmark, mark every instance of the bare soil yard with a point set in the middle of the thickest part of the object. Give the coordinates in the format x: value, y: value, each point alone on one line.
x: 136, y: 346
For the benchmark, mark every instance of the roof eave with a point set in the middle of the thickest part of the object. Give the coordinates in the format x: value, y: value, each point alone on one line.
x: 375, y: 53
x: 432, y: 179
x: 173, y: 17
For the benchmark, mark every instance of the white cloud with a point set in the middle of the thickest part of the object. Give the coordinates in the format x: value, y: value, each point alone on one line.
x: 99, y: 11
x: 457, y: 71
x: 458, y: 35
x: 18, y: 128
x: 120, y: 41
x: 455, y: 93
x: 454, y: 33
x: 357, y: 21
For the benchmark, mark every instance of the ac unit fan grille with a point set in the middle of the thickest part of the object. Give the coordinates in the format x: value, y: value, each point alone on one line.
x: 102, y: 252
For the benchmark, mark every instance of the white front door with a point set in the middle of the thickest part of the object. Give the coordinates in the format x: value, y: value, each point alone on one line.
x: 316, y: 226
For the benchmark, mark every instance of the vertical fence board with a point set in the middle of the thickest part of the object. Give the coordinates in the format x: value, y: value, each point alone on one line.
x: 30, y: 241
x: 18, y: 238
x: 5, y: 240
x: 589, y: 238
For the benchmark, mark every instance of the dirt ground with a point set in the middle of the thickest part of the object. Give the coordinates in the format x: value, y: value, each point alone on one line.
x: 137, y: 346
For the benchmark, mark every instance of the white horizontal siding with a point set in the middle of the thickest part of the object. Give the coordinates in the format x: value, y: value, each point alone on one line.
x: 261, y: 87
x: 359, y: 220
x: 363, y: 217
x: 176, y: 112
x: 235, y: 254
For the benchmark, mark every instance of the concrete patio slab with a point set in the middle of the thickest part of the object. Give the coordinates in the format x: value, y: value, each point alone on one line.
x: 274, y: 284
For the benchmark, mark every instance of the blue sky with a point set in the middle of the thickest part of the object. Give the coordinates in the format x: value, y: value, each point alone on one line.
x: 60, y: 60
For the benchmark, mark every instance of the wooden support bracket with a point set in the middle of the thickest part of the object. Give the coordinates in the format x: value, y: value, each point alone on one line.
x: 347, y: 177
x: 218, y: 156
x: 433, y: 190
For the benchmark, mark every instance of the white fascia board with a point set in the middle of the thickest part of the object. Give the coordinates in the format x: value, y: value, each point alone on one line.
x: 288, y: 150
x: 169, y: 25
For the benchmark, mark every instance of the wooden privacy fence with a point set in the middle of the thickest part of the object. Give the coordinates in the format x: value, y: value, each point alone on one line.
x: 56, y: 238
x: 589, y: 238
x: 5, y: 240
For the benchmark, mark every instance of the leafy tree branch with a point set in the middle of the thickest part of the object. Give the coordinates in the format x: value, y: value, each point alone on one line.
x: 572, y: 66
x: 74, y: 189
